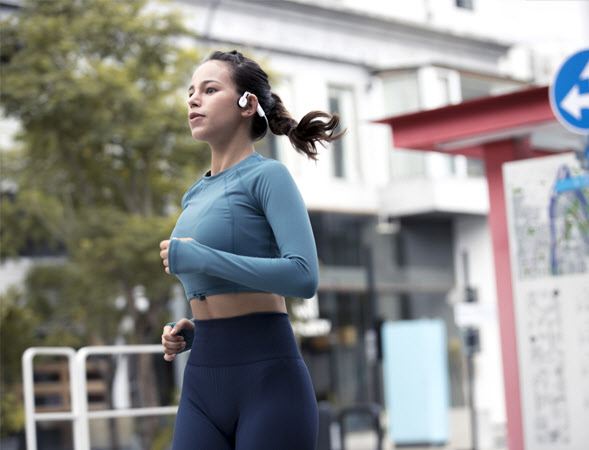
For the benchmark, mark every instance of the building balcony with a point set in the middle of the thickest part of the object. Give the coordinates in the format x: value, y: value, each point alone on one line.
x: 413, y: 280
x: 435, y: 196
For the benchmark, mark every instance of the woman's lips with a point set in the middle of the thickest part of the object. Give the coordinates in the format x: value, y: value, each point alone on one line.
x: 194, y: 117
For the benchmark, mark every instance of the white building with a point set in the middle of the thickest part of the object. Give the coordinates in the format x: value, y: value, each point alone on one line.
x: 418, y: 213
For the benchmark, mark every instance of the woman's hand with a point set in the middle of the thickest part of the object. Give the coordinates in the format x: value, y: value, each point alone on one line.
x: 164, y: 253
x: 173, y: 344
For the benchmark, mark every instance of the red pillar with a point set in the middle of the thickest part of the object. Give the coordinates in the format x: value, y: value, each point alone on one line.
x: 495, y: 154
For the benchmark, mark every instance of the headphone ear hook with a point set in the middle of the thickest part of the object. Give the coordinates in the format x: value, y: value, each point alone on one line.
x: 243, y: 99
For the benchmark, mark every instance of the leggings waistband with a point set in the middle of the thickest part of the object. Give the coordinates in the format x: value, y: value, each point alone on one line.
x: 243, y: 339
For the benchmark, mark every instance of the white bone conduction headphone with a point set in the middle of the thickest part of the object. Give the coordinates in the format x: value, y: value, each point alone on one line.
x: 243, y: 101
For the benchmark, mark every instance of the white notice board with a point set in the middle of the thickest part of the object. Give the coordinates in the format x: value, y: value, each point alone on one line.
x: 549, y: 253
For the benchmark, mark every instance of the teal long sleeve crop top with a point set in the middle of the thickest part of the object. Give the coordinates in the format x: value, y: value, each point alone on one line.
x: 251, y: 232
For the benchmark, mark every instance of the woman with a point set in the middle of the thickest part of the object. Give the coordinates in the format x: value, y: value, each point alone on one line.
x: 242, y: 243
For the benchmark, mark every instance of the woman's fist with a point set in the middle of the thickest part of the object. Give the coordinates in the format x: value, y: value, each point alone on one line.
x: 164, y: 245
x: 174, y: 344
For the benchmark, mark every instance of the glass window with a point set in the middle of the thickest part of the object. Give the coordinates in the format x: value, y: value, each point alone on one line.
x: 407, y: 164
x: 401, y: 93
x: 444, y: 86
x: 401, y: 96
x: 465, y: 4
x: 345, y: 160
x: 475, y: 167
x: 280, y: 146
x: 336, y: 362
x: 473, y: 86
x: 338, y: 238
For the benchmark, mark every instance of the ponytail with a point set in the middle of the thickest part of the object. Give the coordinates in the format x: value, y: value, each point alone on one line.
x: 303, y: 136
x: 315, y: 127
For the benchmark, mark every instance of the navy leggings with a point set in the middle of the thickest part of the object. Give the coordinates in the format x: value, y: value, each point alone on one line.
x: 246, y: 387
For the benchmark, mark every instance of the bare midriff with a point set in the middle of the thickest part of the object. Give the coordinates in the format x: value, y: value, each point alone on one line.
x: 222, y: 306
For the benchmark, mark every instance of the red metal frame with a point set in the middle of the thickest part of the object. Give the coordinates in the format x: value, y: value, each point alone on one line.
x: 497, y: 130
x: 496, y: 154
x: 474, y: 119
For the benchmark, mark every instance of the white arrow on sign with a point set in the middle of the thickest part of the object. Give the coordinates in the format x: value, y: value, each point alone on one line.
x: 574, y: 101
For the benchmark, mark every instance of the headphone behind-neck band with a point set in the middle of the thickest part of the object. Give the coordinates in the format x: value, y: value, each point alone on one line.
x: 243, y: 101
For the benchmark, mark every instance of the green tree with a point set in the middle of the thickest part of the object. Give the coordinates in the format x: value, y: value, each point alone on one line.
x: 13, y: 342
x: 100, y: 165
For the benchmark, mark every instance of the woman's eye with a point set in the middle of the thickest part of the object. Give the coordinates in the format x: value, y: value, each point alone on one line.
x: 210, y: 90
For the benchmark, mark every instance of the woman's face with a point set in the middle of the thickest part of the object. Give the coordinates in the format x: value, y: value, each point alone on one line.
x: 213, y: 112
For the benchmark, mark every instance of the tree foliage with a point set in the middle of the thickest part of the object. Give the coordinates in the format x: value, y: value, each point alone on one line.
x: 100, y: 164
x: 95, y: 84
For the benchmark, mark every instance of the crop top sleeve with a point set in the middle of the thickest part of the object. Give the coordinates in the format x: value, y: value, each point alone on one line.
x: 294, y: 272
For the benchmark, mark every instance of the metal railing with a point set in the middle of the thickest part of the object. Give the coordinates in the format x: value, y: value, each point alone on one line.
x: 79, y: 414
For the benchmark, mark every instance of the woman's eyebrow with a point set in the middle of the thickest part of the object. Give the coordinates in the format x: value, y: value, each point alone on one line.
x: 205, y: 82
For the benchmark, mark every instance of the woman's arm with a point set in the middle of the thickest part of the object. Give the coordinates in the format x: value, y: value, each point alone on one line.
x: 295, y: 273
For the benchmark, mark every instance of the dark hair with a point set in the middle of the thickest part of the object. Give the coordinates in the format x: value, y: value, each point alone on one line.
x: 304, y: 135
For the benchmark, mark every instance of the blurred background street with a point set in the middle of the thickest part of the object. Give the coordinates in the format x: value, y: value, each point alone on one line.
x: 430, y: 230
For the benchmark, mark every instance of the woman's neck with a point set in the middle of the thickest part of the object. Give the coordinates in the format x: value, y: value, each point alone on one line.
x: 228, y: 150
x: 229, y: 156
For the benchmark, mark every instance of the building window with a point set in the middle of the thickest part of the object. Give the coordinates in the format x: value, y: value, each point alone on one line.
x: 338, y: 238
x: 465, y: 4
x: 473, y: 86
x: 279, y: 147
x: 401, y: 92
x: 345, y: 164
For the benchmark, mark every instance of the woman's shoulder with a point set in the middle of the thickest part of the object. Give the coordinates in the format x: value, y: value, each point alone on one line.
x: 264, y: 176
x: 269, y: 168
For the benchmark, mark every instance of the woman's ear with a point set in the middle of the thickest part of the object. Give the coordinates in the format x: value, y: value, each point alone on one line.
x: 251, y: 106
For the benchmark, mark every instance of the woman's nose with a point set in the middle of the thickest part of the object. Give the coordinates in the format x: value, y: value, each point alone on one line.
x: 193, y: 100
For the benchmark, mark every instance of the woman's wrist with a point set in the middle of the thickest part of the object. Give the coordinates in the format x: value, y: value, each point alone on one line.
x: 171, y: 259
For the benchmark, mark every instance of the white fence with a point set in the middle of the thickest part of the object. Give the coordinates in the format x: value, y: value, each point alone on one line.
x: 79, y: 414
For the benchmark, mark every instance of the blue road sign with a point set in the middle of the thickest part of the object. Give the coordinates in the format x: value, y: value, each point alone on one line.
x: 569, y: 93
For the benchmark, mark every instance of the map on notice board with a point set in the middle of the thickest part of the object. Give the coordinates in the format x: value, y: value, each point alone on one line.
x: 549, y: 251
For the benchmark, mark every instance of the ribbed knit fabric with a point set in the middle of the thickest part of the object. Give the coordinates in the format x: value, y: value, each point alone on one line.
x: 251, y: 233
x: 246, y: 387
